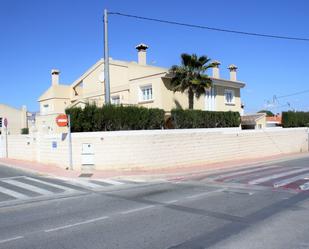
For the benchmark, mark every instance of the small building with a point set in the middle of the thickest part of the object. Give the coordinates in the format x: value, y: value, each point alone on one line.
x: 275, y: 121
x: 253, y: 121
x: 17, y: 119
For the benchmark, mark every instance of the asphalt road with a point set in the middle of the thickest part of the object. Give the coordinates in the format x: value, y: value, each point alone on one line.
x: 264, y: 206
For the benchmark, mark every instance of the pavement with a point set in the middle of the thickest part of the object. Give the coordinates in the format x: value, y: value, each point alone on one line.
x: 140, y: 173
x: 259, y: 205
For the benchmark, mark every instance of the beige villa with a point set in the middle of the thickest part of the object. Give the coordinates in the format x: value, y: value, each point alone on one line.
x: 16, y: 118
x: 135, y: 83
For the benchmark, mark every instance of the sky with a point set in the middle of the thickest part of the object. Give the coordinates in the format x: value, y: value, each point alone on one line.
x: 37, y: 36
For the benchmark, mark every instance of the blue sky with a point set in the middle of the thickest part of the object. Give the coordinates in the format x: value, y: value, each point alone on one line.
x: 37, y: 36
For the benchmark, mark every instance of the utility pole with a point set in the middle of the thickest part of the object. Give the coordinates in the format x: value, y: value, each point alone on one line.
x: 106, y: 62
x: 70, y: 142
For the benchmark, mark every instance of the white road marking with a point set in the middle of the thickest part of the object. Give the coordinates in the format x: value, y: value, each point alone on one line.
x: 305, y: 186
x: 268, y: 178
x: 290, y: 180
x: 12, y: 177
x: 205, y: 193
x: 240, y: 172
x: 76, y: 224
x: 136, y: 209
x: 11, y: 239
x: 170, y: 202
x: 50, y: 184
x: 86, y: 183
x: 110, y: 181
x: 14, y: 194
x: 238, y: 192
x: 28, y: 187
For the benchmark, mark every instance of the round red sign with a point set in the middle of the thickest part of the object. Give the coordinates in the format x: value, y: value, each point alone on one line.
x: 62, y: 120
x: 5, y: 122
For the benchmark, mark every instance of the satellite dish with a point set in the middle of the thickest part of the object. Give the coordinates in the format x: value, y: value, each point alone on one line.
x: 101, y: 77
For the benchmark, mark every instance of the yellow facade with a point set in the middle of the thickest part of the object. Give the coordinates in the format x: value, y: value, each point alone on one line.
x: 136, y: 83
x: 17, y: 119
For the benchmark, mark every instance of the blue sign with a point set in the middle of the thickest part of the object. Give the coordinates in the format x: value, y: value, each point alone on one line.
x: 54, y: 145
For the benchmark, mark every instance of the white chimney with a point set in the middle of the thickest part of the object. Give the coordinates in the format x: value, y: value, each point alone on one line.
x: 24, y: 122
x: 141, y: 54
x: 233, y: 70
x: 55, y: 76
x: 215, y: 69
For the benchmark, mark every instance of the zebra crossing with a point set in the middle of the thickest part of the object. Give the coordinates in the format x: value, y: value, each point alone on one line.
x: 273, y: 176
x: 22, y: 188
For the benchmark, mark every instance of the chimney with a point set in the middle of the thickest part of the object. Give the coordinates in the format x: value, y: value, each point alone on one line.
x: 55, y: 77
x: 24, y: 121
x: 141, y: 53
x: 215, y: 69
x: 233, y: 70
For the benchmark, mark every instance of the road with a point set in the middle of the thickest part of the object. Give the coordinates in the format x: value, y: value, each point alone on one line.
x: 263, y: 206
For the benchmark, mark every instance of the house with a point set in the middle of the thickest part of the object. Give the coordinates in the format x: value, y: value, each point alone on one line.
x: 275, y: 121
x: 135, y: 83
x: 16, y: 119
x: 253, y: 121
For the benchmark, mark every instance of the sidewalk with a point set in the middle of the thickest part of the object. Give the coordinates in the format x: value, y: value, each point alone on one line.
x: 172, y: 173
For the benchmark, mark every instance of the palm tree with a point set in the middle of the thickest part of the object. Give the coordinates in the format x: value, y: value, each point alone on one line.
x: 190, y: 76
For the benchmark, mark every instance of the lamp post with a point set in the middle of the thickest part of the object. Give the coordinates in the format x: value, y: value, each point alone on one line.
x: 106, y: 62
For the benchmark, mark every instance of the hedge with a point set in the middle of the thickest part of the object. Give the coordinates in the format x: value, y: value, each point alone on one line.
x: 24, y: 131
x: 114, y: 118
x: 295, y: 119
x: 183, y: 119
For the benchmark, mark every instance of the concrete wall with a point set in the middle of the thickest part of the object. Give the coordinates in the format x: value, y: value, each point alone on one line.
x: 160, y: 148
x: 22, y: 147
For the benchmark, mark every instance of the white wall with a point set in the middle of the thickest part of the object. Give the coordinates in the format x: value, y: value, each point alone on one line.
x: 160, y: 148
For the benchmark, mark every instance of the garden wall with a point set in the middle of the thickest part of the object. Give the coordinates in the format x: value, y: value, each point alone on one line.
x: 158, y: 148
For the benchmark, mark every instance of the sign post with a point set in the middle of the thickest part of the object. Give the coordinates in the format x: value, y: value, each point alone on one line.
x: 5, y: 123
x: 64, y: 120
x: 70, y: 142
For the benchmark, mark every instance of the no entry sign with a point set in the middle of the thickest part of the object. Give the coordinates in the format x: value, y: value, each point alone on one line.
x: 62, y: 120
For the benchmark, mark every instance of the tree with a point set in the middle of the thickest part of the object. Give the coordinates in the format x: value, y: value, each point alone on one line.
x: 268, y: 113
x: 190, y: 76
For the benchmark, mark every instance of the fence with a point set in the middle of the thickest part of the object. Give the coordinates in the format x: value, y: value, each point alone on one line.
x: 156, y: 148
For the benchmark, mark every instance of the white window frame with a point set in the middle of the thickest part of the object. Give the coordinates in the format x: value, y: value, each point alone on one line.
x: 232, y: 101
x: 115, y: 100
x: 46, y: 108
x: 142, y: 97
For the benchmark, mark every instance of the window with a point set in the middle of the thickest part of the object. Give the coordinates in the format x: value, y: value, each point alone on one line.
x: 146, y: 93
x: 115, y: 100
x: 229, y: 96
x: 0, y: 122
x: 45, y: 108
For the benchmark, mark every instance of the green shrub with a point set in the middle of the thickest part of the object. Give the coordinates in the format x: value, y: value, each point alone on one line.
x: 295, y: 119
x: 25, y: 131
x: 113, y: 118
x: 76, y: 115
x: 183, y: 119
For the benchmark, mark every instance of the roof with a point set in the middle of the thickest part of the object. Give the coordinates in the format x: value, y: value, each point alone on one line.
x: 251, y: 119
x: 218, y: 82
x: 146, y: 69
x: 7, y: 106
x: 274, y: 119
x: 56, y: 92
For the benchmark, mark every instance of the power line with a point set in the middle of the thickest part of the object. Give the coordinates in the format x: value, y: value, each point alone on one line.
x: 211, y: 28
x: 292, y: 94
